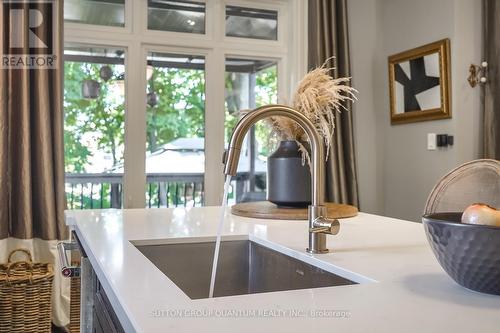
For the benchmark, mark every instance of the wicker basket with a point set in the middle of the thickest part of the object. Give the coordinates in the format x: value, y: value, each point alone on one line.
x: 25, y: 292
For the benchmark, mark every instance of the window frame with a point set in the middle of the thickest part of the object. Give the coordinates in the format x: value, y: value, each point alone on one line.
x: 290, y: 52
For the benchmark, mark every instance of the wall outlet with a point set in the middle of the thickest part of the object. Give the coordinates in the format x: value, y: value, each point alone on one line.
x: 431, y: 141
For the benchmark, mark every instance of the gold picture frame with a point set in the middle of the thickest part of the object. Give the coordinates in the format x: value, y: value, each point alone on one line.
x: 419, y: 83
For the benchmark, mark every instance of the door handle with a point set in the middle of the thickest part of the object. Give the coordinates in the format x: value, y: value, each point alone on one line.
x: 66, y: 269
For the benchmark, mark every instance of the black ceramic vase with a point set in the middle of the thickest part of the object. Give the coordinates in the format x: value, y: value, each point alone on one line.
x: 288, y: 181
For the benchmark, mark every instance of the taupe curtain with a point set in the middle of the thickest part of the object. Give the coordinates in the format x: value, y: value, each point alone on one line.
x: 32, y: 198
x: 328, y: 37
x: 491, y: 105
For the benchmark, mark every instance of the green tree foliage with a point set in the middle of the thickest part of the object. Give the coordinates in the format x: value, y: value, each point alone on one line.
x: 266, y: 87
x: 98, y: 121
x: 266, y: 92
x: 97, y: 125
x: 180, y: 111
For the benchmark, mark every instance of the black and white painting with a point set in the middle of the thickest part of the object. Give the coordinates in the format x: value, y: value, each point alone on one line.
x: 419, y: 83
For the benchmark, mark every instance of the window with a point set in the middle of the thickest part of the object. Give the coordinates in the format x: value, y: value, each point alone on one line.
x: 251, y: 23
x: 250, y: 84
x: 177, y: 16
x: 153, y: 89
x: 175, y: 141
x: 94, y: 113
x: 97, y: 12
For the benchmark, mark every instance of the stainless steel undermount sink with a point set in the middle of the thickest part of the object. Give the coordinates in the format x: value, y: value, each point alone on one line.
x: 245, y: 267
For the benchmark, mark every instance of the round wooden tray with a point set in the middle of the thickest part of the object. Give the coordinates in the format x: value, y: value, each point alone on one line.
x: 268, y: 210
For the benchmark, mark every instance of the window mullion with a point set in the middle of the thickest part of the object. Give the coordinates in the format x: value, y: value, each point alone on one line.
x: 134, y: 181
x: 214, y: 128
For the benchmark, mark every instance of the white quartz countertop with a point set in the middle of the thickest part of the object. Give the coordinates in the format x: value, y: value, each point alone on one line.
x: 401, y: 286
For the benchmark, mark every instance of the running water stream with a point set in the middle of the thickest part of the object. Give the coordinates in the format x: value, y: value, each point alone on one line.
x: 219, y: 234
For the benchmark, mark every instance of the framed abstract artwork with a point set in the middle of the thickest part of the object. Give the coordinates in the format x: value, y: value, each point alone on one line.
x: 419, y: 83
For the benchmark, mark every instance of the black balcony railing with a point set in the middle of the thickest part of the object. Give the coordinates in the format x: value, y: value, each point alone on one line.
x: 105, y: 190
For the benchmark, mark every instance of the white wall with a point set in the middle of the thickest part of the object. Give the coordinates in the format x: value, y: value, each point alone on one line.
x: 396, y: 172
x: 363, y: 35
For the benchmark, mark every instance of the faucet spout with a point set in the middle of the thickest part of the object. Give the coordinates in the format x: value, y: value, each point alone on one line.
x: 317, y: 210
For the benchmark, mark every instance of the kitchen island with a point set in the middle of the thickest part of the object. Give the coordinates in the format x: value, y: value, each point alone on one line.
x: 400, y: 286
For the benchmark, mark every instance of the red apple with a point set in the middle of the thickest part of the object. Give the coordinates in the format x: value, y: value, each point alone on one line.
x: 481, y: 214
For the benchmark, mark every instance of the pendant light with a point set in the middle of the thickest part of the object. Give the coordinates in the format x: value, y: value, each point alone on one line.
x: 105, y: 73
x: 90, y: 87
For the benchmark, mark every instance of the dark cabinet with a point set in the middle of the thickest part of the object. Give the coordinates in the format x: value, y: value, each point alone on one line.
x: 104, y: 317
x: 96, y: 313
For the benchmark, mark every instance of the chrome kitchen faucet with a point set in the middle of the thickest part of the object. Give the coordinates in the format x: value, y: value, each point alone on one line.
x: 319, y: 223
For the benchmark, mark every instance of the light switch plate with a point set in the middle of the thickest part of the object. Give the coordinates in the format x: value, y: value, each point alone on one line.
x: 431, y: 141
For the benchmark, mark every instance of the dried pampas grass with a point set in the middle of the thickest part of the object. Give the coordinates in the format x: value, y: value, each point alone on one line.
x: 319, y: 97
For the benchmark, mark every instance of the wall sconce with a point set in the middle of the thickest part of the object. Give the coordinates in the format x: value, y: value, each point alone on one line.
x: 477, y: 74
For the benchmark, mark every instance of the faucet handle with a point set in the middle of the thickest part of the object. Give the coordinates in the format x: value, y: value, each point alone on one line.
x: 325, y: 225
